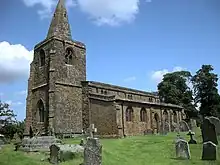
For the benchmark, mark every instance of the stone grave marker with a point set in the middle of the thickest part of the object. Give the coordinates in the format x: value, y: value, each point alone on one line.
x: 192, y: 140
x: 216, y: 122
x: 93, y: 152
x: 62, y: 153
x: 209, y: 151
x: 182, y: 149
x: 208, y: 132
x: 184, y: 127
x: 164, y: 128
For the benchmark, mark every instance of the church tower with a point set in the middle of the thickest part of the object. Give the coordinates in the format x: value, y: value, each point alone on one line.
x: 54, y: 100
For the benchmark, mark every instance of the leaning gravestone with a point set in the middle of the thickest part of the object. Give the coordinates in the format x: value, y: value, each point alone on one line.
x: 93, y: 152
x: 182, y: 149
x: 62, y: 153
x: 216, y: 122
x: 209, y: 151
x: 208, y: 132
x: 184, y: 127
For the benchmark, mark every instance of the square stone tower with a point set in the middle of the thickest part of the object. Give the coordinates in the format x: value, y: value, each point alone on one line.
x: 54, y: 101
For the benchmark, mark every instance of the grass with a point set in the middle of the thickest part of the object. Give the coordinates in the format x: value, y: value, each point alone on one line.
x: 139, y: 150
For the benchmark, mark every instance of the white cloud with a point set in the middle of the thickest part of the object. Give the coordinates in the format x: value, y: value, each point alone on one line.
x: 111, y: 12
x: 14, y: 62
x: 129, y: 79
x: 158, y: 75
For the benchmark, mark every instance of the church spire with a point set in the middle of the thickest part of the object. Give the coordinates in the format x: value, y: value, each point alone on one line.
x: 59, y: 26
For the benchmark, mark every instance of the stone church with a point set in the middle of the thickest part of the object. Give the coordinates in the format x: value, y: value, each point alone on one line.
x: 62, y: 100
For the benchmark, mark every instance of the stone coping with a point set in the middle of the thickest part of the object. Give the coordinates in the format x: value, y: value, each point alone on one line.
x: 121, y: 89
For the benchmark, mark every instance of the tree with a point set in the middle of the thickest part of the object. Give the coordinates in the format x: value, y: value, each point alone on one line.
x: 8, y: 121
x: 174, y: 89
x: 206, y: 92
x: 6, y: 114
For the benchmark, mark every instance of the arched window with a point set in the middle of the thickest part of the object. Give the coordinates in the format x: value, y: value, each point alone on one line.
x: 174, y: 117
x: 40, y: 108
x: 143, y: 115
x: 69, y: 56
x: 42, y: 57
x: 129, y: 114
x: 165, y: 115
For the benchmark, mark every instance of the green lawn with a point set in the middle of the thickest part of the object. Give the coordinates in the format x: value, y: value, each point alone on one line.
x: 142, y: 150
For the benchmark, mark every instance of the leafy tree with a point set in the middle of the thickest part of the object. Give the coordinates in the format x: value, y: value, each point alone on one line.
x: 174, y: 89
x: 8, y: 121
x: 6, y: 114
x: 206, y: 92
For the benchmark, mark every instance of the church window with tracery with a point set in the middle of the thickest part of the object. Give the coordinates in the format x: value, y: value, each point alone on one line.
x: 143, y: 115
x: 129, y: 114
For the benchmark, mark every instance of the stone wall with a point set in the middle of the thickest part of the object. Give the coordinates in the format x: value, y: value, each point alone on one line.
x: 103, y: 115
x: 68, y: 112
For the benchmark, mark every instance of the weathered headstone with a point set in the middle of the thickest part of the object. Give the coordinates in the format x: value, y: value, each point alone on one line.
x: 209, y: 151
x: 192, y: 140
x: 182, y: 149
x: 192, y: 124
x: 216, y: 122
x: 164, y: 128
x: 62, y: 153
x: 184, y: 127
x: 208, y: 132
x: 41, y: 143
x: 93, y: 152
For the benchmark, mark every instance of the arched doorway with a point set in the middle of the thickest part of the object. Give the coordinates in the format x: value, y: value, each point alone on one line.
x: 156, y: 119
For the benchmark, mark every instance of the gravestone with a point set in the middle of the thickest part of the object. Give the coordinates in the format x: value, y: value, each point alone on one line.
x: 62, y: 153
x: 165, y: 128
x: 216, y: 122
x: 209, y: 151
x: 93, y: 152
x: 192, y: 140
x: 36, y: 144
x: 184, y: 127
x: 208, y: 132
x: 192, y: 124
x: 182, y: 149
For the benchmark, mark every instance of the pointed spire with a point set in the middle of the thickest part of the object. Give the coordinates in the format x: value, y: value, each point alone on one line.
x: 59, y: 26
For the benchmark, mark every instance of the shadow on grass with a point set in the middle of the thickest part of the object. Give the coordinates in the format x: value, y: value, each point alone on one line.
x: 180, y: 159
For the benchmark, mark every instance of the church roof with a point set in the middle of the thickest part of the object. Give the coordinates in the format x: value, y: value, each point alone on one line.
x: 59, y: 26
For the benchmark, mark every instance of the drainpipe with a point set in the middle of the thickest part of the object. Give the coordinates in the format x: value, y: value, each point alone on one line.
x: 123, y: 127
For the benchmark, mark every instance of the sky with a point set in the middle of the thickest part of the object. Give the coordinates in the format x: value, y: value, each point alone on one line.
x: 130, y: 43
